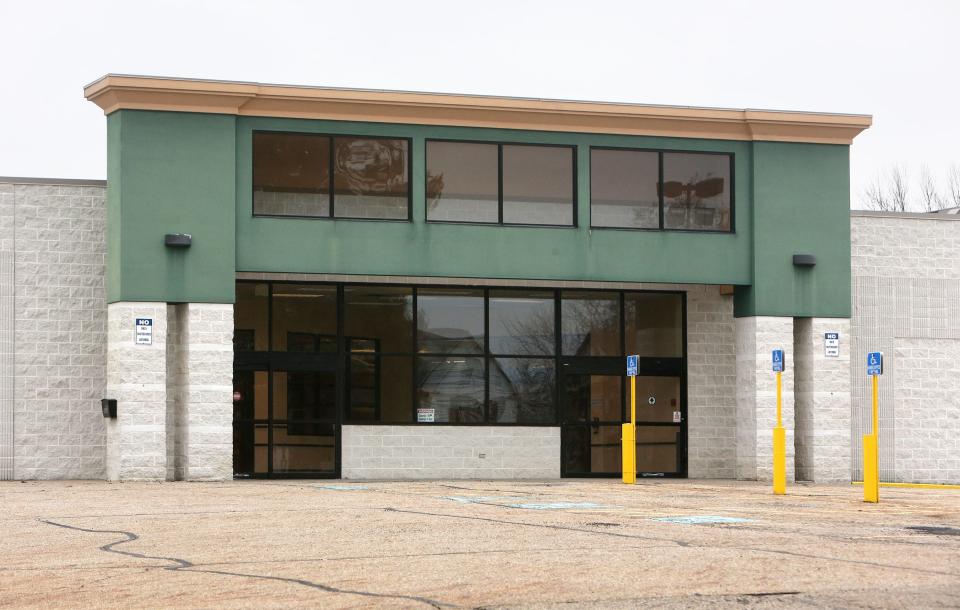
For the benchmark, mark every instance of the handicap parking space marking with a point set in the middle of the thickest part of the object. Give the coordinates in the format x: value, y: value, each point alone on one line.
x: 702, y: 519
x: 524, y: 503
x: 342, y: 487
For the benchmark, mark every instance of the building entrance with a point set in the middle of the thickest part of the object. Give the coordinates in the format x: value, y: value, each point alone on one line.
x: 594, y: 399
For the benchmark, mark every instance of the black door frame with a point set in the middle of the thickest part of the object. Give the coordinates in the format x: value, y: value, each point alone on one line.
x: 647, y: 367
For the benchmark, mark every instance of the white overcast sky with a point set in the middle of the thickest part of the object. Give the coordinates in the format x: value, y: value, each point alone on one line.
x: 897, y: 61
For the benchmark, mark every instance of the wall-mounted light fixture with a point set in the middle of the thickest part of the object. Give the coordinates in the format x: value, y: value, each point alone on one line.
x: 804, y: 260
x: 109, y: 406
x: 177, y: 240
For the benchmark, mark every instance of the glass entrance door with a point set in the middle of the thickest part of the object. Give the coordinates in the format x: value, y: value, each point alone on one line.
x: 594, y: 400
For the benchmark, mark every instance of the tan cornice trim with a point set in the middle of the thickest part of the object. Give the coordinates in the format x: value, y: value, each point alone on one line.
x: 116, y: 92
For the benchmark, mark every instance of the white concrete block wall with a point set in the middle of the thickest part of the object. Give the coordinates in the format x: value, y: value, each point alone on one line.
x: 711, y: 384
x: 822, y: 401
x: 204, y: 403
x: 59, y: 243
x: 7, y: 221
x: 756, y: 338
x: 450, y: 452
x: 137, y: 379
x: 906, y: 303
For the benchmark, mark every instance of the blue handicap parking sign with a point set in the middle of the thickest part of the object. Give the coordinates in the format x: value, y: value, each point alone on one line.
x: 778, y: 361
x: 632, y: 365
x: 875, y: 363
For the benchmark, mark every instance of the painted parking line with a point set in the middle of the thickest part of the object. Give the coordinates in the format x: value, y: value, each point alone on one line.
x: 342, y: 487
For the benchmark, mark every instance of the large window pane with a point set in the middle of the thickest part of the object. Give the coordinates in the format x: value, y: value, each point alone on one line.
x: 462, y: 182
x: 623, y: 189
x: 654, y: 324
x: 590, y: 323
x: 696, y: 191
x: 450, y: 320
x: 538, y: 185
x: 450, y: 389
x: 370, y: 178
x: 304, y: 318
x: 291, y: 174
x: 250, y: 317
x: 522, y: 322
x: 378, y: 318
x: 294, y: 451
x: 522, y: 390
x: 379, y: 388
x: 302, y: 397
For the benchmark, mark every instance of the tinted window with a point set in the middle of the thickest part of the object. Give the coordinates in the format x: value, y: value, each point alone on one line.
x: 291, y: 174
x: 522, y: 390
x: 522, y: 322
x: 304, y: 318
x: 696, y: 191
x: 623, y: 189
x: 378, y: 319
x: 462, y: 182
x: 379, y: 388
x: 538, y: 185
x: 450, y: 321
x: 590, y: 323
x: 370, y: 178
x: 250, y: 318
x: 450, y: 389
x: 654, y: 324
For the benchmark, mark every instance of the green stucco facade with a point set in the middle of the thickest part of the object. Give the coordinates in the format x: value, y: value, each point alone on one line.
x: 173, y: 172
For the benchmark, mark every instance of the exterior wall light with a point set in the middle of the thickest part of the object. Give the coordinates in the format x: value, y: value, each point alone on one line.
x: 804, y: 260
x: 177, y: 240
x: 109, y: 406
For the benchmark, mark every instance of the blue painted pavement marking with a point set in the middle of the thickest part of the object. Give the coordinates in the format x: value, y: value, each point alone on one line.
x: 699, y: 519
x: 343, y: 487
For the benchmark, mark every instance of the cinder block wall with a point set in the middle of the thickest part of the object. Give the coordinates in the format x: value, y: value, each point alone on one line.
x: 52, y: 329
x: 906, y: 303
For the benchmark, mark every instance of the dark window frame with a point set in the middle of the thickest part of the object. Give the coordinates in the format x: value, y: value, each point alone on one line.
x: 574, y: 149
x: 660, y: 152
x: 331, y: 161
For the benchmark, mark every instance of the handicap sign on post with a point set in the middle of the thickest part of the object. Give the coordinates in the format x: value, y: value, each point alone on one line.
x: 778, y: 361
x: 875, y: 363
x: 632, y: 365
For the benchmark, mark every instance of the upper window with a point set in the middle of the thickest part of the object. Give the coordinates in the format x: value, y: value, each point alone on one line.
x: 291, y: 176
x: 696, y: 191
x: 500, y: 183
x: 633, y: 189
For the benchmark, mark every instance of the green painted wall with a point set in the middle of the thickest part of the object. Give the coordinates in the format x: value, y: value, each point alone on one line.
x: 417, y: 248
x: 181, y: 172
x: 171, y: 173
x: 801, y: 195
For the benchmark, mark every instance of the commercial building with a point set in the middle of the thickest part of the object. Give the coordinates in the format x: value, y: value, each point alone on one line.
x: 310, y: 282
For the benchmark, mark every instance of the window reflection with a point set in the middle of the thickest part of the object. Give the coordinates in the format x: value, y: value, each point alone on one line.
x: 623, y: 189
x: 696, y: 191
x: 291, y: 174
x: 379, y: 388
x: 462, y: 182
x: 370, y: 178
x: 590, y: 323
x: 522, y: 390
x: 250, y: 318
x: 450, y: 321
x: 538, y: 185
x: 654, y: 324
x: 450, y: 389
x: 378, y: 318
x: 521, y: 322
x: 304, y: 318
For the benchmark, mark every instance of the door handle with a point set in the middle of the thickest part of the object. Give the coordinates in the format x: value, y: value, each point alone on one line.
x: 596, y: 425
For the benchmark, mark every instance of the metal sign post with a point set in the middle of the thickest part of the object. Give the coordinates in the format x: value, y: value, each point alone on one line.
x: 779, y: 434
x: 871, y: 442
x: 628, y: 437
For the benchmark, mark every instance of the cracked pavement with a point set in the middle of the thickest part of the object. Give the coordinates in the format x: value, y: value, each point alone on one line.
x: 490, y: 544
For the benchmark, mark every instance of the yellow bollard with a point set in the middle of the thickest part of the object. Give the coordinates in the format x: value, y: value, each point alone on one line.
x: 629, y: 439
x: 779, y: 445
x: 871, y: 474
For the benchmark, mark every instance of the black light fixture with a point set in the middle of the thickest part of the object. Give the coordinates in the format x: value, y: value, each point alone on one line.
x: 177, y: 240
x: 804, y: 260
x: 109, y: 406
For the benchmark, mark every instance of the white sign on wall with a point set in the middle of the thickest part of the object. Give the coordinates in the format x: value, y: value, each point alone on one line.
x: 425, y: 416
x: 144, y: 334
x: 831, y: 345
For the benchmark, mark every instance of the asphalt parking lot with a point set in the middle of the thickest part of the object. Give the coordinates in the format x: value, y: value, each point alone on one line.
x: 563, y: 544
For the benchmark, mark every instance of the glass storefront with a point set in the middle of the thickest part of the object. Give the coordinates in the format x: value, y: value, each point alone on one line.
x: 310, y: 357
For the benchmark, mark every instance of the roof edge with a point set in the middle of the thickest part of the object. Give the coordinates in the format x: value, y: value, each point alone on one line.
x: 114, y: 92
